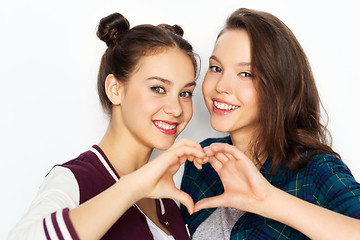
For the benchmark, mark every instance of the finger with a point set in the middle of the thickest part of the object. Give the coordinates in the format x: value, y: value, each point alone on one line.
x: 229, y: 149
x: 212, y: 202
x: 183, y: 159
x: 208, y: 151
x: 205, y: 160
x: 217, y: 165
x: 184, y: 199
x: 189, y: 151
x: 190, y: 158
x: 229, y: 156
x: 187, y: 142
x: 198, y: 163
x: 221, y: 157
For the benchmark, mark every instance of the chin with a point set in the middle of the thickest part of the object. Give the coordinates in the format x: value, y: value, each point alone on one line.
x: 221, y: 130
x: 219, y: 127
x: 165, y: 145
x: 163, y: 148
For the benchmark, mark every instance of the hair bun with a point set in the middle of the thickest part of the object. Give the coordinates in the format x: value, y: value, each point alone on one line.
x: 175, y: 29
x: 111, y: 27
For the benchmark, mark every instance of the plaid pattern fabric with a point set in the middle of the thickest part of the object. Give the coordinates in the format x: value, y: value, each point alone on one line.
x: 325, y: 181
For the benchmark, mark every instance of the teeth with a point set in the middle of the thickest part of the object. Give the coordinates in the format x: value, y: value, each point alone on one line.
x: 164, y: 125
x: 224, y: 106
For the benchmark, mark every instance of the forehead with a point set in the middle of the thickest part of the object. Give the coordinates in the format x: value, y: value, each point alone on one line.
x: 171, y: 64
x: 233, y: 45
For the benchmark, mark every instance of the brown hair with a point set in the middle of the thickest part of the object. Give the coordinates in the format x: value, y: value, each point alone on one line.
x: 288, y: 97
x: 127, y: 45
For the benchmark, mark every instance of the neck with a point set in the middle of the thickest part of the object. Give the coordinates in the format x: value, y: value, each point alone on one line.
x: 123, y: 150
x: 242, y: 142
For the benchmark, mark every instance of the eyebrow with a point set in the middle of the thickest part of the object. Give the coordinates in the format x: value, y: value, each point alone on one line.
x: 239, y: 64
x: 168, y: 82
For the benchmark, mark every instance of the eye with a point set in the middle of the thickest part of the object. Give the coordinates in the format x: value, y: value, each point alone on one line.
x: 158, y: 89
x: 186, y: 94
x: 246, y: 75
x: 215, y: 69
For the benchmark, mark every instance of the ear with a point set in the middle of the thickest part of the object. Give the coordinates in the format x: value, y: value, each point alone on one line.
x: 114, y: 89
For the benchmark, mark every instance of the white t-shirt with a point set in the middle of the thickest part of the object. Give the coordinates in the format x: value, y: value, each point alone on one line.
x: 157, y: 233
x: 218, y: 225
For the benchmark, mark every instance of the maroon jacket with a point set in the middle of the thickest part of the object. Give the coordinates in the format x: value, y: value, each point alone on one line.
x: 93, y: 178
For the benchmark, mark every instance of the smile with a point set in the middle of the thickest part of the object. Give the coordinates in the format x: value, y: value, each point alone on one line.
x: 225, y: 106
x: 166, y: 127
x: 222, y: 108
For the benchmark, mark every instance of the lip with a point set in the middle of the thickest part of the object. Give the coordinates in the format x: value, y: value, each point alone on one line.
x: 222, y: 111
x: 159, y: 124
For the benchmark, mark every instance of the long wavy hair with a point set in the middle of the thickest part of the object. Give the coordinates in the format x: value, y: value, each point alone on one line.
x: 290, y: 119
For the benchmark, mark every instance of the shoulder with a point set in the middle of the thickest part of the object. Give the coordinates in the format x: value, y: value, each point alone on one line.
x: 58, y: 177
x: 92, y: 165
x: 323, y: 166
x: 93, y: 172
x: 60, y: 181
x: 69, y: 177
x: 322, y: 159
x: 324, y: 170
x: 334, y: 186
x: 86, y: 161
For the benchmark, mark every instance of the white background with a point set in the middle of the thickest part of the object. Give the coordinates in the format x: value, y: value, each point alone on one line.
x: 49, y: 57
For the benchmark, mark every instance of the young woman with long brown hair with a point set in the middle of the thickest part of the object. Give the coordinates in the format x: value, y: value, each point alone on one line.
x: 275, y: 176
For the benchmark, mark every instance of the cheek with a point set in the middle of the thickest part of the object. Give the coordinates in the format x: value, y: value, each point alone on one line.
x: 252, y: 100
x: 188, y: 111
x: 253, y: 95
x: 247, y: 94
x: 152, y: 108
x: 142, y: 104
x: 207, y: 88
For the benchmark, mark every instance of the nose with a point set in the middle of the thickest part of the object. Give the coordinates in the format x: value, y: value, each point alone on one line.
x: 173, y: 106
x: 223, y: 84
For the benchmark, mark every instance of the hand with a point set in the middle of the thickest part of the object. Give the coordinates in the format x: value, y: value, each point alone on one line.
x: 155, y: 179
x: 244, y: 186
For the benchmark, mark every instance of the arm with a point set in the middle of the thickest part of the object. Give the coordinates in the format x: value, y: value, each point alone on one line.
x: 93, y: 218
x: 154, y: 180
x: 309, y: 218
x: 56, y: 195
x: 253, y: 193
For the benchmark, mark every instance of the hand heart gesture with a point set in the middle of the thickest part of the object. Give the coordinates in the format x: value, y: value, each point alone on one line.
x: 244, y: 186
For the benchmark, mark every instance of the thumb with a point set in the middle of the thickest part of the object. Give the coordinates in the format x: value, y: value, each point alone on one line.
x: 184, y: 199
x: 211, y: 202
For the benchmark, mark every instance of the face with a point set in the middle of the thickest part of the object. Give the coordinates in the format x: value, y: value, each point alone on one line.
x: 228, y: 87
x: 157, y: 102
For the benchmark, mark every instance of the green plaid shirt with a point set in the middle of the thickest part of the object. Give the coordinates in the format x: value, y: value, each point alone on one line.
x: 325, y: 181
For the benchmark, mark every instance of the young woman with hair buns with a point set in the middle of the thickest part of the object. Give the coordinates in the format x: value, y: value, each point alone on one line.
x: 145, y: 83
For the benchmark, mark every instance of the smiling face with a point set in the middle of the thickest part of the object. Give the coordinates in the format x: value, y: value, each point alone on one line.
x: 157, y: 101
x: 229, y: 89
